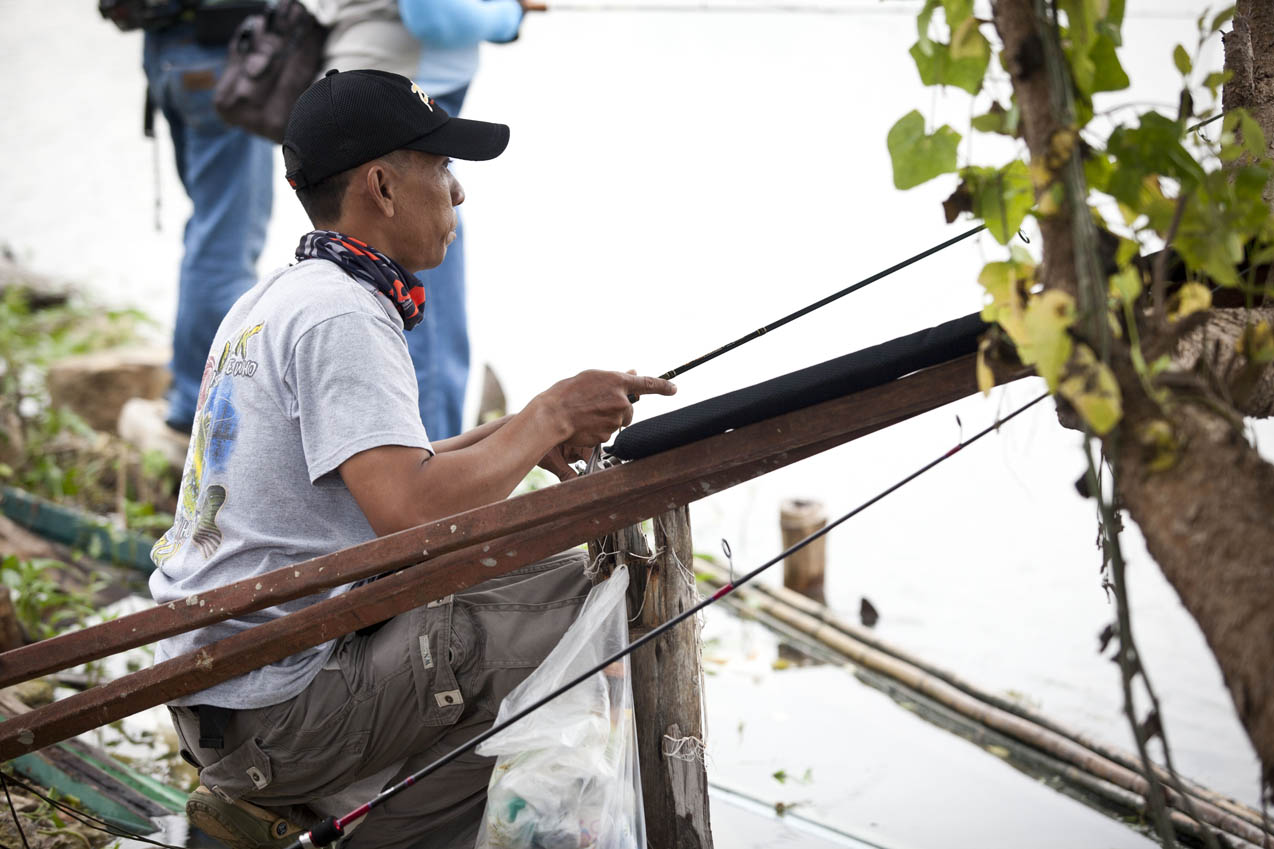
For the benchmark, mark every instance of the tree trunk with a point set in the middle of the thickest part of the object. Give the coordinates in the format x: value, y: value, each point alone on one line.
x: 1207, y: 520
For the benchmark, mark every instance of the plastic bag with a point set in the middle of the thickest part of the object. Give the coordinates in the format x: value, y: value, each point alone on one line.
x: 566, y: 776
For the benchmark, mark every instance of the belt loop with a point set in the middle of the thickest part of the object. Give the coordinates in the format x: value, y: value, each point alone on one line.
x: 212, y: 726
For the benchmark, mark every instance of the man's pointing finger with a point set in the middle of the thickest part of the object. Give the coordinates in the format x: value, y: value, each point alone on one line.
x: 638, y: 385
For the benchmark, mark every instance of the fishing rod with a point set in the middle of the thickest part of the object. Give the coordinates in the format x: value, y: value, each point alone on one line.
x: 761, y: 331
x: 332, y: 828
x: 774, y: 6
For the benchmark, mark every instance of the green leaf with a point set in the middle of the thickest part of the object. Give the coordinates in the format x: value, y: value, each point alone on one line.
x: 1112, y: 25
x: 1078, y: 36
x: 1048, y: 344
x: 1001, y: 197
x: 1108, y: 73
x: 999, y: 120
x: 1224, y: 212
x: 938, y: 67
x: 1128, y: 248
x: 1217, y: 79
x: 1181, y: 59
x: 1253, y: 137
x: 780, y: 776
x: 1126, y: 285
x: 1222, y: 18
x: 958, y: 11
x: 1152, y: 147
x: 968, y: 42
x: 1097, y: 171
x: 1091, y: 388
x: 923, y: 20
x: 918, y: 158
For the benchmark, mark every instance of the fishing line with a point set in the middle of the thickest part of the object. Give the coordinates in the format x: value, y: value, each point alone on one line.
x: 84, y: 818
x: 333, y: 828
x: 779, y: 6
x: 17, y: 823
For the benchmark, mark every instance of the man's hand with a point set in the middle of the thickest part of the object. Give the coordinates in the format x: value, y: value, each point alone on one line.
x: 559, y: 460
x: 594, y: 404
x: 398, y: 487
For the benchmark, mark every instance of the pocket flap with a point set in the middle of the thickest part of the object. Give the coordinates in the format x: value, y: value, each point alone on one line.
x: 244, y: 770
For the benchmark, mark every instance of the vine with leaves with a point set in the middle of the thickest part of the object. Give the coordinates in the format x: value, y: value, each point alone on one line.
x: 1123, y: 199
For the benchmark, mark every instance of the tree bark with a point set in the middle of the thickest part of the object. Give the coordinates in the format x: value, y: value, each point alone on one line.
x: 1206, y: 520
x: 1213, y: 349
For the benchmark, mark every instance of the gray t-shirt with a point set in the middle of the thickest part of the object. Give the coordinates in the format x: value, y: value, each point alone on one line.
x: 308, y: 368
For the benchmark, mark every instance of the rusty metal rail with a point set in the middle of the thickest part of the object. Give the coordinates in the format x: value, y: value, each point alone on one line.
x: 457, y: 552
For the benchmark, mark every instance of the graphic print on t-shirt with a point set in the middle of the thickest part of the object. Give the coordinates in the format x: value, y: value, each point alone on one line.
x: 216, y: 430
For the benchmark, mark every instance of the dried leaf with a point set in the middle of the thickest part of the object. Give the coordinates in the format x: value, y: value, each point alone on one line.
x: 1091, y: 388
x: 1190, y: 298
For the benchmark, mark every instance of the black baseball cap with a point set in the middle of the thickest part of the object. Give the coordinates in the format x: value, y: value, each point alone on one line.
x: 351, y: 117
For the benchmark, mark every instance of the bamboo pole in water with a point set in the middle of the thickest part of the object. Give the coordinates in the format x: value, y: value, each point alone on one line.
x: 1123, y: 758
x: 1096, y: 768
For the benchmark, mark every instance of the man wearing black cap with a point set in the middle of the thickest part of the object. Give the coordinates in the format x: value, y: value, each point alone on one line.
x: 308, y: 440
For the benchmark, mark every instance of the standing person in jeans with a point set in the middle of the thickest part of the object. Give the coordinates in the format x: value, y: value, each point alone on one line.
x: 435, y: 44
x: 228, y: 174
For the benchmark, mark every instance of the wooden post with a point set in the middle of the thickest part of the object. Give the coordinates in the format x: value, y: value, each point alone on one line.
x: 667, y: 678
x: 666, y: 675
x: 803, y: 571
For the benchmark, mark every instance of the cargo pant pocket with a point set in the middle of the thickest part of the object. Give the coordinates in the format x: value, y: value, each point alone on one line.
x: 246, y: 771
x: 434, y: 657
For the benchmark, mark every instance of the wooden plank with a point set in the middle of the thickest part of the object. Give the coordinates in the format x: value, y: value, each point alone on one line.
x: 768, y: 443
x: 74, y: 768
x: 558, y: 518
x: 75, y: 528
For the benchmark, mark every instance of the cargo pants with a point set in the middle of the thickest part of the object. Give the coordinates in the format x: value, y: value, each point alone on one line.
x: 388, y: 703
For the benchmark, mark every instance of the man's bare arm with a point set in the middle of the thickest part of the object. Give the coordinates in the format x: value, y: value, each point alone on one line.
x: 398, y: 487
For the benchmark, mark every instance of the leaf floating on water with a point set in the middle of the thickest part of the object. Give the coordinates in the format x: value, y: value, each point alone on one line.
x: 867, y: 613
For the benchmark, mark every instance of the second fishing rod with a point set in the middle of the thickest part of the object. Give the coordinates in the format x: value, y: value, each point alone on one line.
x: 333, y: 828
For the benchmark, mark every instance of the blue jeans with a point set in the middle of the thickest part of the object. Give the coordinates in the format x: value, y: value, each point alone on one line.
x: 439, y: 345
x: 229, y: 175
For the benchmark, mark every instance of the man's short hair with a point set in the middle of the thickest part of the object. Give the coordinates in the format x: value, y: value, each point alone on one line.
x: 322, y: 201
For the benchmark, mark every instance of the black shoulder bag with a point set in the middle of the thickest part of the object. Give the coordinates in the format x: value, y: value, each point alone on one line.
x: 274, y: 56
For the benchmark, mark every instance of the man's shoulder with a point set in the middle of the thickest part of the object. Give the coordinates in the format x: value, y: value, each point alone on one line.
x: 315, y: 291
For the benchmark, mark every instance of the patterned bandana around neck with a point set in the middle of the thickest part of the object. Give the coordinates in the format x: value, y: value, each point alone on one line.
x: 370, y: 265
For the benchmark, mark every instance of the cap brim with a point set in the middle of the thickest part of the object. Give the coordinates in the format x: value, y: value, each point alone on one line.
x: 461, y: 138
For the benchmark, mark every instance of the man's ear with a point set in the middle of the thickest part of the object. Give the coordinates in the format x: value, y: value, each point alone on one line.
x: 381, y: 186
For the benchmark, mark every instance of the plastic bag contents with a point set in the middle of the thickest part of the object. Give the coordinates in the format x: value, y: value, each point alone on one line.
x: 566, y: 775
